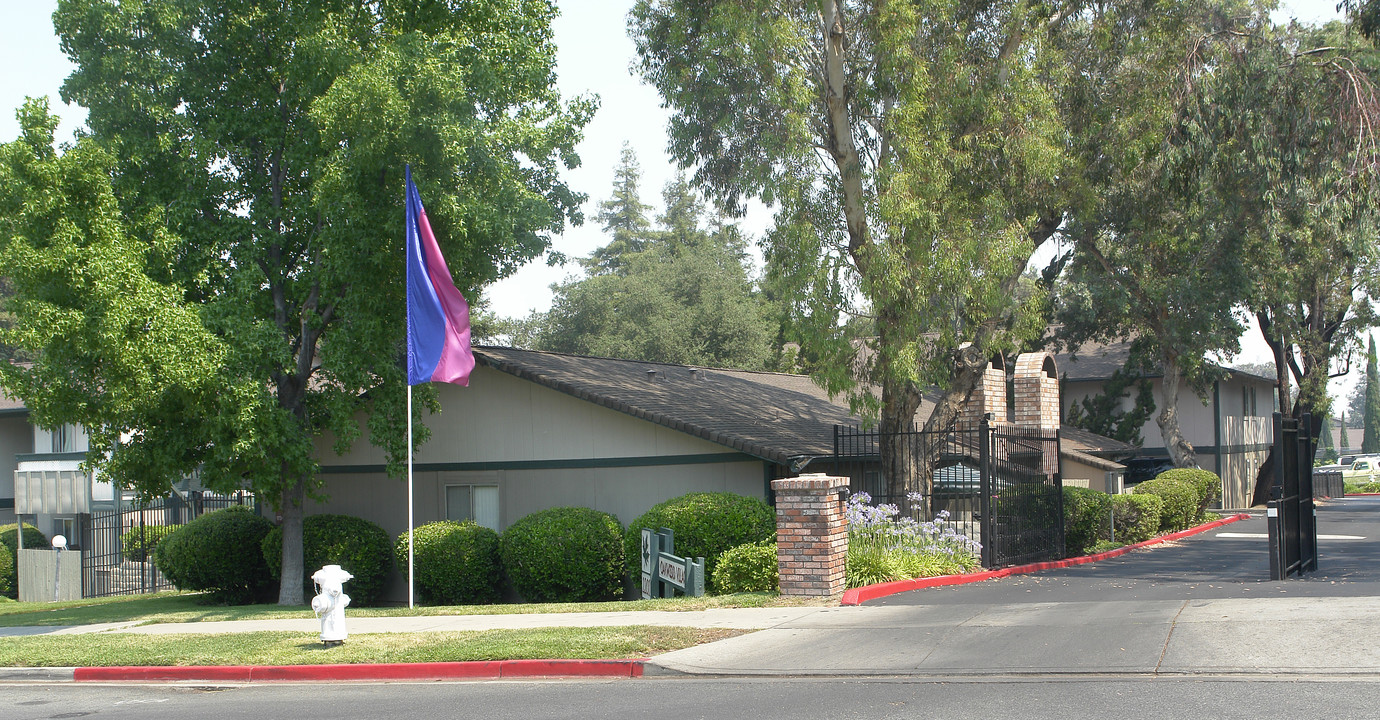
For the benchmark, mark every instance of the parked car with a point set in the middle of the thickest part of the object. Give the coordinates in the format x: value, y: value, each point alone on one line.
x: 1140, y: 469
x: 1366, y: 469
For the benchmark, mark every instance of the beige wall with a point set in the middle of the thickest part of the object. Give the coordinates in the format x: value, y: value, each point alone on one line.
x: 1080, y: 474
x: 501, y: 418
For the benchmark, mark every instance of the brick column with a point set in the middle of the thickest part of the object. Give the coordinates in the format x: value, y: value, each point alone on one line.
x: 811, y: 534
x: 1037, y: 399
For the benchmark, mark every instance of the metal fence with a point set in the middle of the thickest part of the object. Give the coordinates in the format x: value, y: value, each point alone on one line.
x: 998, y: 484
x: 1292, y: 525
x: 118, y: 543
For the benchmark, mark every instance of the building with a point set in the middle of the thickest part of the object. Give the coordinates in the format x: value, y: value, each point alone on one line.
x: 1230, y: 430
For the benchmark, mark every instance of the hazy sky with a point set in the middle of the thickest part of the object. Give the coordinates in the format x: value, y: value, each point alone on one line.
x: 594, y: 55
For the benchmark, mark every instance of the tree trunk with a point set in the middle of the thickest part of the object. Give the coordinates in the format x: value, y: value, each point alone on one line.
x: 1180, y: 449
x: 899, y: 448
x: 290, y: 506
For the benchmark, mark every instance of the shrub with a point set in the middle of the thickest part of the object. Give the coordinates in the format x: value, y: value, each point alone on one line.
x: 219, y: 552
x: 9, y: 537
x: 1137, y: 517
x: 885, y: 548
x: 1087, y: 514
x: 1180, y: 501
x: 747, y: 568
x: 565, y: 554
x: 8, y: 576
x: 360, y: 547
x: 137, y: 543
x: 455, y: 563
x: 1206, y: 486
x: 705, y: 525
x: 1102, y: 546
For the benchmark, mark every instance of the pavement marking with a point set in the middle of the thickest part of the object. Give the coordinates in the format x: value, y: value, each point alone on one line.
x: 1262, y: 536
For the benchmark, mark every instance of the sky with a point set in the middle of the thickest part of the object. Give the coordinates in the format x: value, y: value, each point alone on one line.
x: 594, y: 56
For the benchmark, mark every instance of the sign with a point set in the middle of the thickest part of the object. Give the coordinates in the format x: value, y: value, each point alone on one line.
x: 663, y: 572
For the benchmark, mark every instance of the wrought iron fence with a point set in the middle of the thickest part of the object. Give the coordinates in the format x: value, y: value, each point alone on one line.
x: 1291, y: 520
x: 998, y: 484
x: 118, y: 543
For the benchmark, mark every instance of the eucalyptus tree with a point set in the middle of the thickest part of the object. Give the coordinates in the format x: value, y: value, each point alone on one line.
x: 917, y: 153
x: 212, y: 278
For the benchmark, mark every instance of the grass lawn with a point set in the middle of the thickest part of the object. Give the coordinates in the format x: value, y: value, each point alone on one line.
x: 192, y: 607
x: 295, y: 648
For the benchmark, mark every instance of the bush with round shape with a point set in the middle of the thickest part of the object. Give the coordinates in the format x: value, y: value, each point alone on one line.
x: 705, y: 525
x: 220, y: 553
x: 747, y: 568
x: 358, y: 546
x: 9, y: 537
x: 137, y: 543
x: 454, y: 563
x: 564, y: 554
x: 1205, y: 483
x: 1137, y: 517
x: 1087, y: 513
x: 1180, y: 501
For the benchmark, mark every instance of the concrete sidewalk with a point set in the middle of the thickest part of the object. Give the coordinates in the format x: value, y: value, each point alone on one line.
x: 1199, y: 605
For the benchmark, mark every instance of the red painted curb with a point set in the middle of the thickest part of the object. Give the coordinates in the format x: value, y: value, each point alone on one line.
x: 858, y: 596
x: 380, y: 671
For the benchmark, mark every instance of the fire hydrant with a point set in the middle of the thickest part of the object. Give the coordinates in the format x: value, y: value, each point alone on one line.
x: 330, y: 602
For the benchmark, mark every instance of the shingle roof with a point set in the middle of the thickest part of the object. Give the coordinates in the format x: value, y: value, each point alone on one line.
x: 1099, y: 361
x: 10, y: 406
x: 774, y: 416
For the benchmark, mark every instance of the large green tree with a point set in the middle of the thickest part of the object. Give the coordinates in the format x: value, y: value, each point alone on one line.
x: 918, y: 155
x: 212, y: 278
x: 679, y: 293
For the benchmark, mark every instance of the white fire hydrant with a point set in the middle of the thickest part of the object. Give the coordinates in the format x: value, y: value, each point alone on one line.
x: 330, y: 602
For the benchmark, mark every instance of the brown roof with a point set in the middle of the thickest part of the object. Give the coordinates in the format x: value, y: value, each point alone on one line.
x: 10, y: 406
x: 1099, y: 361
x: 774, y: 416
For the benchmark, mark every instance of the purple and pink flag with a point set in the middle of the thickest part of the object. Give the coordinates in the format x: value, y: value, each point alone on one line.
x: 438, y: 318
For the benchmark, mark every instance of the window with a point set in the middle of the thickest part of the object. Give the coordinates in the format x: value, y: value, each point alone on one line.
x: 1248, y: 406
x: 62, y: 438
x: 66, y: 527
x: 473, y: 502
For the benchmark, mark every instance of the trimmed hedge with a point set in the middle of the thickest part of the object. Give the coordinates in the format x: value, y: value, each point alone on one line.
x: 1205, y: 483
x: 454, y: 563
x: 358, y: 546
x: 564, y: 554
x: 747, y: 568
x: 705, y: 525
x: 1087, y: 514
x: 138, y: 543
x: 9, y: 537
x: 1137, y: 517
x: 220, y: 553
x: 1180, y: 501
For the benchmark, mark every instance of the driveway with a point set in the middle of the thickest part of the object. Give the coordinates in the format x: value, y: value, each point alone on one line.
x: 1202, y: 605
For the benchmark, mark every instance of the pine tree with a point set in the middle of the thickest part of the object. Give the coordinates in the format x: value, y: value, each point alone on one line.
x: 1370, y: 440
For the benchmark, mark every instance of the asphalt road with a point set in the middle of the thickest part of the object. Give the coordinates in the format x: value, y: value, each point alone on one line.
x: 784, y: 699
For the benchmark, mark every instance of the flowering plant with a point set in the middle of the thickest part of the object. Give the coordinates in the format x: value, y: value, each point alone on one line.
x: 884, y: 547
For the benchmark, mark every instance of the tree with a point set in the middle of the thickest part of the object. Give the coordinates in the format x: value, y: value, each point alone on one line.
x: 1370, y: 439
x: 918, y: 156
x: 1303, y: 102
x: 1105, y: 412
x: 212, y: 278
x: 680, y: 294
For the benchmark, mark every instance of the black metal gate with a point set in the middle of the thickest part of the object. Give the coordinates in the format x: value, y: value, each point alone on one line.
x: 118, y: 543
x: 1022, y: 496
x: 1290, y: 514
x: 998, y: 484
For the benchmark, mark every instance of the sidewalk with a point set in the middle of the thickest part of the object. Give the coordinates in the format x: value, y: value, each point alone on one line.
x: 1198, y: 605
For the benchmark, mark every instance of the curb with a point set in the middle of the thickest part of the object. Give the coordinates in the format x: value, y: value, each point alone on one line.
x: 858, y: 596
x: 478, y: 670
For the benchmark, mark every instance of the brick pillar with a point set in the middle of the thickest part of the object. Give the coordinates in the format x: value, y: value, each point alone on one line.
x: 811, y: 534
x: 1036, y: 387
x: 988, y: 397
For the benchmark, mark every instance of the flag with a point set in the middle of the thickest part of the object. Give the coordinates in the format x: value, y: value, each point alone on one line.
x: 438, y: 318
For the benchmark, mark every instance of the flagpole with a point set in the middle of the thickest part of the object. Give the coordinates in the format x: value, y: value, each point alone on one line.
x: 410, y: 579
